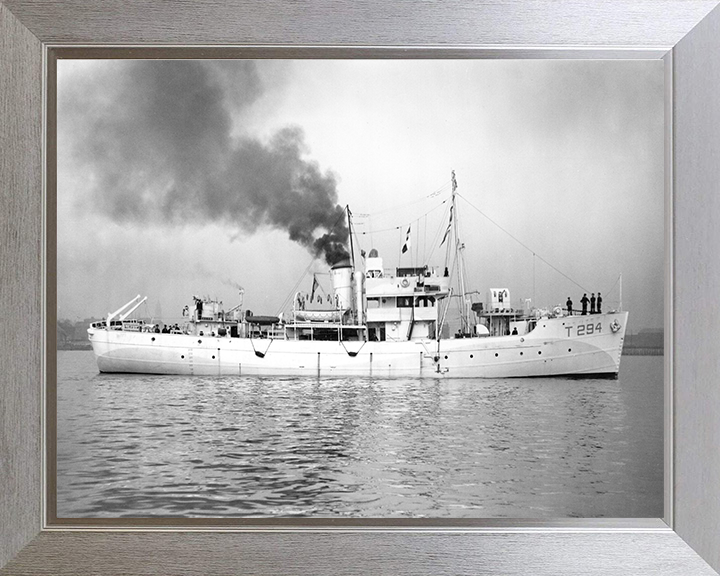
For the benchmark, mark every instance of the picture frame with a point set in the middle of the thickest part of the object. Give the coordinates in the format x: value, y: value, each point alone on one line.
x: 685, y: 34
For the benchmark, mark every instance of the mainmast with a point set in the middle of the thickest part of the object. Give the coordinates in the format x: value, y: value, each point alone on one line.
x: 465, y: 322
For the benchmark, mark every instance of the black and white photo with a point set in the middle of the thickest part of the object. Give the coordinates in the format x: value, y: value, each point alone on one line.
x: 365, y: 288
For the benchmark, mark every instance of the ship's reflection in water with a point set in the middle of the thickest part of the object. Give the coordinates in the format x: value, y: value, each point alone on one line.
x: 138, y: 446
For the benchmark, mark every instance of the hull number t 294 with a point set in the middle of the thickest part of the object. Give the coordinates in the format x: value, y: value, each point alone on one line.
x: 584, y: 329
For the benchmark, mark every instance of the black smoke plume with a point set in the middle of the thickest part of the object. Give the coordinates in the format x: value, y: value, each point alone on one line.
x: 164, y: 143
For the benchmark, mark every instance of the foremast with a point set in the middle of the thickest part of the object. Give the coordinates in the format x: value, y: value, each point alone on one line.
x: 358, y: 275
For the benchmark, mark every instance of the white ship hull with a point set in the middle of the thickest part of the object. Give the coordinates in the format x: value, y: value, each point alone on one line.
x: 562, y: 346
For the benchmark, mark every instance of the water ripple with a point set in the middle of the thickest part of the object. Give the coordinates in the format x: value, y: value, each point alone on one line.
x: 260, y: 447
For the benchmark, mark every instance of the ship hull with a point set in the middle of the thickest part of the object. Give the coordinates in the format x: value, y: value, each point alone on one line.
x: 565, y: 346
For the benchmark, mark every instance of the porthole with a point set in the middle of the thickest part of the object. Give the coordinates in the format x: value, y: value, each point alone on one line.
x: 496, y: 354
x: 471, y: 355
x: 182, y: 356
x: 213, y: 357
x: 569, y: 349
x: 153, y: 338
x: 521, y: 353
x: 539, y: 351
x: 446, y: 357
x: 199, y: 341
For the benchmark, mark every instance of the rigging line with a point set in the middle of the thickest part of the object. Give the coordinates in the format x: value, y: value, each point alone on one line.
x: 536, y: 255
x: 357, y: 236
x: 449, y: 300
x: 613, y: 286
x: 400, y: 247
x: 397, y: 227
x: 436, y: 192
x: 440, y: 230
x: 424, y: 250
x: 370, y: 231
x: 379, y: 231
x: 320, y: 286
x: 431, y: 195
x: 417, y: 241
x: 468, y: 293
x: 451, y: 239
x: 462, y: 269
x: 292, y: 293
x: 362, y: 247
x: 461, y: 301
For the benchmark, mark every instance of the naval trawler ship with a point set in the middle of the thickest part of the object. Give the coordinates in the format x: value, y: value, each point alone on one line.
x: 375, y: 322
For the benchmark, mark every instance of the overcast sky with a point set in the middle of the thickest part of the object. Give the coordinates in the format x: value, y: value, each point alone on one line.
x: 178, y: 178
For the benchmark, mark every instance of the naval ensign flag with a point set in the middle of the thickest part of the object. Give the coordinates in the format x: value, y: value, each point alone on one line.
x: 406, y: 246
x: 448, y: 228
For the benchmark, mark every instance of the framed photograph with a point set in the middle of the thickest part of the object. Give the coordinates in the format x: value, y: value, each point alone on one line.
x: 368, y: 367
x: 628, y: 121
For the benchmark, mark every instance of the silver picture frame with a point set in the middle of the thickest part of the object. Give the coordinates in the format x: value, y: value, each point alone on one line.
x: 684, y: 34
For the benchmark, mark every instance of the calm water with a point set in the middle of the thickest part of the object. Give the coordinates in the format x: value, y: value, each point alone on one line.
x: 211, y: 447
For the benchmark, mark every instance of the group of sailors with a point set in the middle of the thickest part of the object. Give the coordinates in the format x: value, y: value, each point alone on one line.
x: 167, y: 329
x: 306, y: 299
x: 595, y: 304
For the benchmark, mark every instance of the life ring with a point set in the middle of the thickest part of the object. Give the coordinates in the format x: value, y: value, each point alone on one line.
x: 615, y: 326
x: 405, y: 283
x: 557, y: 311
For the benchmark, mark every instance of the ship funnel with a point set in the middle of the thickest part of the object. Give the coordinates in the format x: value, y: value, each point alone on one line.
x: 341, y: 274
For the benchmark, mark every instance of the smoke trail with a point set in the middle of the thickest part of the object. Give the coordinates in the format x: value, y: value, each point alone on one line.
x: 233, y: 284
x: 158, y: 139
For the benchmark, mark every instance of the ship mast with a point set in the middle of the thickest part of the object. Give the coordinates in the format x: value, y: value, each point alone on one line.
x: 349, y: 225
x: 358, y: 275
x: 465, y: 323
